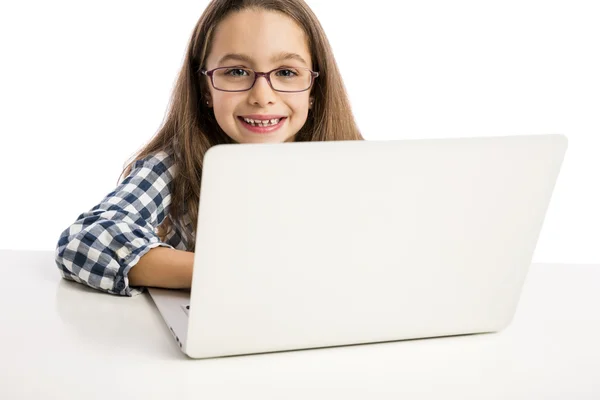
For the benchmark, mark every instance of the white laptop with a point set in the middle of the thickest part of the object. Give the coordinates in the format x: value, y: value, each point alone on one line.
x: 317, y: 244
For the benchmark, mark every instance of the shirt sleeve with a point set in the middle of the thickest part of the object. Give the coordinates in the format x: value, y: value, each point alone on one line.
x: 102, y: 245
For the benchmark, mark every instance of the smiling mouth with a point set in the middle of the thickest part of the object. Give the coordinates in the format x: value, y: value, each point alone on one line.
x: 261, y: 122
x: 262, y: 126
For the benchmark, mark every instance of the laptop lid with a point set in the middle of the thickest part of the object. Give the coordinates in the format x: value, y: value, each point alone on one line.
x: 305, y: 245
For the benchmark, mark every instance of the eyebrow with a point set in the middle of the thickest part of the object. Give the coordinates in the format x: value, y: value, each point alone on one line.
x: 284, y: 55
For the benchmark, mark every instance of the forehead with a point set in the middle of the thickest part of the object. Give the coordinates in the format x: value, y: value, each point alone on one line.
x: 260, y: 35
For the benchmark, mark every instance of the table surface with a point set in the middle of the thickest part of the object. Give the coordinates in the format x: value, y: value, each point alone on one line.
x: 63, y: 340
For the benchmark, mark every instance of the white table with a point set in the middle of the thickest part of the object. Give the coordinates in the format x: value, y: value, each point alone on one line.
x: 61, y: 340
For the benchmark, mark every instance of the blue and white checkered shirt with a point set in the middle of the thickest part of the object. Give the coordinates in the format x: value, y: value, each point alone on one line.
x: 102, y: 245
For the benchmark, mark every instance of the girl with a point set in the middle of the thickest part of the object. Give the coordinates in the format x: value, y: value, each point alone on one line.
x: 255, y: 71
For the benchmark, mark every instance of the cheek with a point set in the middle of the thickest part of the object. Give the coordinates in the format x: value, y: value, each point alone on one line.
x: 223, y: 100
x: 223, y: 106
x: 299, y: 106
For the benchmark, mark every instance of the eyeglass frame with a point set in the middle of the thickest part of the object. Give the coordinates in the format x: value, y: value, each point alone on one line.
x: 267, y: 75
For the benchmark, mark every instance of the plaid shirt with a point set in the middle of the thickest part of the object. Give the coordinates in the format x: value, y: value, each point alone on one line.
x: 102, y: 245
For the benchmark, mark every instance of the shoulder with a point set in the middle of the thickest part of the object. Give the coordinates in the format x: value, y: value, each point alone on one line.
x: 161, y: 163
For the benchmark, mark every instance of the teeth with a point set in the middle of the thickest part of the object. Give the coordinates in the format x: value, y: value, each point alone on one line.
x: 266, y: 122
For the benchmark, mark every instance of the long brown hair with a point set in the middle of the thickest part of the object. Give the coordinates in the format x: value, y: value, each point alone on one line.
x: 190, y: 127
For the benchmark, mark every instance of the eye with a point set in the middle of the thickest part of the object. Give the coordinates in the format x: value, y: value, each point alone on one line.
x: 286, y: 73
x: 236, y: 72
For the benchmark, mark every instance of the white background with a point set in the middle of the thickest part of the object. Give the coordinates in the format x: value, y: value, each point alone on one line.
x: 84, y: 85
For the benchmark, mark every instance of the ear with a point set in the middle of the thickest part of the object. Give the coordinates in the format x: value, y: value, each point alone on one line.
x: 311, y: 101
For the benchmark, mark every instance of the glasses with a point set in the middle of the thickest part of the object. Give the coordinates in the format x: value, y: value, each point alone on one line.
x: 289, y: 80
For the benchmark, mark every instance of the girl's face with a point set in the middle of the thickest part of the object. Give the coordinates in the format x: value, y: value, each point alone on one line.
x: 259, y: 40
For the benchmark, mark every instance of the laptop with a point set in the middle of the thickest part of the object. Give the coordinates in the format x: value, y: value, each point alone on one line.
x: 318, y: 244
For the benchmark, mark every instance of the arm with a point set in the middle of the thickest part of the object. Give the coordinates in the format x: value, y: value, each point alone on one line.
x: 163, y: 267
x: 102, y: 245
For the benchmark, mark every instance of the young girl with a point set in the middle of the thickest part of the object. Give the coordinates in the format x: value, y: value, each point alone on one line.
x: 255, y: 71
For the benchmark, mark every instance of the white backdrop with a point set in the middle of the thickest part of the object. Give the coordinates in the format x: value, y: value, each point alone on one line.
x: 83, y: 85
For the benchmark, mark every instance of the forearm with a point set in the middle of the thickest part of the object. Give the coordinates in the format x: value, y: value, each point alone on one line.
x: 163, y: 267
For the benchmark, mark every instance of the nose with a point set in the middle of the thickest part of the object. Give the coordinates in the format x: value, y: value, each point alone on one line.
x: 262, y: 93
